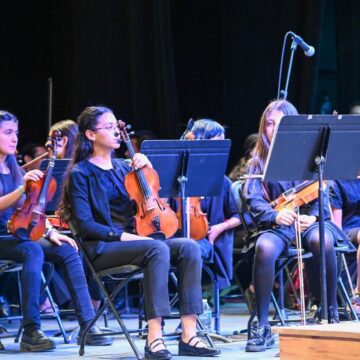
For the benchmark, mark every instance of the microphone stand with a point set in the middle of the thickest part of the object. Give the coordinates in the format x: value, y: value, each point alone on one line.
x: 284, y: 93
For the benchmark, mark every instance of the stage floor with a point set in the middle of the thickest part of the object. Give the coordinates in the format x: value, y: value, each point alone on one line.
x: 234, y: 318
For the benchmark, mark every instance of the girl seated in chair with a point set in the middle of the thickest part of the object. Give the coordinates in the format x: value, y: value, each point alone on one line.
x: 53, y: 247
x: 276, y: 229
x: 102, y: 210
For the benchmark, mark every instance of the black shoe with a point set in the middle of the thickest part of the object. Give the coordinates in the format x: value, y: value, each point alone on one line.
x: 261, y: 339
x: 333, y: 315
x: 92, y: 339
x: 37, y: 341
x: 1, y: 346
x: 185, y: 349
x: 150, y: 354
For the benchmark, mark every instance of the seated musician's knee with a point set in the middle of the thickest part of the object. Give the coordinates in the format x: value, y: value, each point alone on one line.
x: 33, y: 252
x: 189, y: 249
x: 160, y: 251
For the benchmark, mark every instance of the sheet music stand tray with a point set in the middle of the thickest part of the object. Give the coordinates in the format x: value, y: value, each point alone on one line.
x: 315, y: 147
x: 188, y: 168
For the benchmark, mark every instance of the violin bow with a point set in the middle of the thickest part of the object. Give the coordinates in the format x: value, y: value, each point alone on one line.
x: 300, y: 267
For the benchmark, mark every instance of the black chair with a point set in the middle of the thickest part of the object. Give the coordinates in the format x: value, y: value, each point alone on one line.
x: 10, y: 266
x: 343, y: 293
x: 289, y: 256
x: 243, y: 256
x: 119, y: 274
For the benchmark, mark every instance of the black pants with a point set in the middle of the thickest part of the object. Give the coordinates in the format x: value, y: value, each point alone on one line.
x: 32, y: 255
x: 156, y: 257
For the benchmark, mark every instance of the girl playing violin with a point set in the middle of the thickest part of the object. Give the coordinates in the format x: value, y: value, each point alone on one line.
x: 53, y: 247
x: 102, y: 210
x: 69, y: 130
x: 276, y: 229
x: 222, y: 214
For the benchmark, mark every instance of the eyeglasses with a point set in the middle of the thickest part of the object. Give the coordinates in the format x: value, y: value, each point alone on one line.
x: 109, y: 128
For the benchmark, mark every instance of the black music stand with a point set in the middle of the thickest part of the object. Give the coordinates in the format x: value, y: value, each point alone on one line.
x: 315, y: 147
x: 59, y: 174
x: 188, y: 168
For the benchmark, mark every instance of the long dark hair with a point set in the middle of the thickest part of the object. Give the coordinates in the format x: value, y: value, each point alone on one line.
x: 261, y: 151
x: 84, y: 148
x: 262, y: 146
x: 69, y: 129
x: 11, y: 162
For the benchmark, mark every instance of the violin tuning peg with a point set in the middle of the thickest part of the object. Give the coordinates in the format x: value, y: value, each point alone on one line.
x: 128, y: 127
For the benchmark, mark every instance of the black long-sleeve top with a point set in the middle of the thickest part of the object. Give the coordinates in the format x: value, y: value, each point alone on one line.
x: 99, y: 202
x: 263, y: 213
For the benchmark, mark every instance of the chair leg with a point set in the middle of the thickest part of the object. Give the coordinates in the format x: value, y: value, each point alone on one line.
x: 52, y: 303
x: 108, y: 302
x: 55, y: 310
x: 280, y: 309
x: 346, y: 299
x: 18, y: 334
x: 216, y: 294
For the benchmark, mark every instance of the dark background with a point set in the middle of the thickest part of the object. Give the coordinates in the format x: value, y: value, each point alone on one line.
x: 158, y: 62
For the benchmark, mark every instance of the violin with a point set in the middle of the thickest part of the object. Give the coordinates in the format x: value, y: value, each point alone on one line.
x: 297, y: 196
x: 153, y: 217
x: 29, y: 221
x: 199, y: 225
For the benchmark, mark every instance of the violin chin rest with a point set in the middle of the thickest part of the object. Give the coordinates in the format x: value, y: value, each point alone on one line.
x: 158, y: 235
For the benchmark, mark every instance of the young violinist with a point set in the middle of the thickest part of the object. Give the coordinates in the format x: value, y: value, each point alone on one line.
x: 276, y: 229
x: 345, y: 205
x: 100, y: 205
x: 69, y: 130
x: 53, y: 247
x: 222, y: 214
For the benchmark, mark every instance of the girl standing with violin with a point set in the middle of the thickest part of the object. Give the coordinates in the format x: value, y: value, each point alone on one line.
x: 53, y: 247
x: 276, y: 229
x: 222, y: 214
x: 100, y: 205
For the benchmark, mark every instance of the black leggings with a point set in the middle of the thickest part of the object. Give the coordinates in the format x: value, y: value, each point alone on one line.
x: 269, y: 246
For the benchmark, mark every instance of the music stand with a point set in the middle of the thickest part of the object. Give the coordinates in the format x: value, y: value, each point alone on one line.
x: 310, y: 147
x: 188, y: 168
x: 59, y: 174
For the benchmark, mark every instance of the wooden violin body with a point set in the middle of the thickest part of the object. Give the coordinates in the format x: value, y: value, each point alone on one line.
x: 199, y: 225
x: 297, y: 196
x: 152, y: 214
x: 29, y: 221
x: 142, y: 185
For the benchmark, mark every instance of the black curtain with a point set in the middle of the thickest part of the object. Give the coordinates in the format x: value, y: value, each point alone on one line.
x: 155, y: 62
x: 347, y: 14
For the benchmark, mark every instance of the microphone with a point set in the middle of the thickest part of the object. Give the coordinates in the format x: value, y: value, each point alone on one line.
x: 308, y: 50
x: 189, y: 126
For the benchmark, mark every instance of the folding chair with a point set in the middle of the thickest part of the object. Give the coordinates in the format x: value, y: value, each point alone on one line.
x: 282, y: 262
x: 9, y: 266
x: 121, y: 275
x: 343, y: 294
x: 243, y: 257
